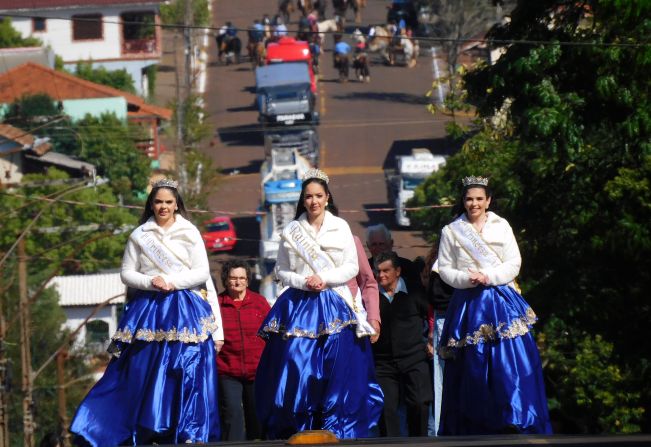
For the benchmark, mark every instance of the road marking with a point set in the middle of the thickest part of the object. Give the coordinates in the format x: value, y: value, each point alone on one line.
x: 354, y: 170
x: 322, y: 100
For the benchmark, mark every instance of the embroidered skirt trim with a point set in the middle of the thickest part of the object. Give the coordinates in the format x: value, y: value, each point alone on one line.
x: 488, y: 333
x: 185, y: 335
x: 334, y: 327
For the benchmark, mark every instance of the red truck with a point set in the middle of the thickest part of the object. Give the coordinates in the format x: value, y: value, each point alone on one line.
x: 288, y: 49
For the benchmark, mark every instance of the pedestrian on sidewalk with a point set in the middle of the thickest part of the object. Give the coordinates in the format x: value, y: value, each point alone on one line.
x: 243, y: 312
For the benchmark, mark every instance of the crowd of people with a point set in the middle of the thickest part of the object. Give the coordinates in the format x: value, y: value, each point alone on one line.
x: 362, y: 347
x: 312, y: 27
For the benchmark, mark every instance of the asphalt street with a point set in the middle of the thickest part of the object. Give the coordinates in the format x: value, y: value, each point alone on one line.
x: 363, y: 126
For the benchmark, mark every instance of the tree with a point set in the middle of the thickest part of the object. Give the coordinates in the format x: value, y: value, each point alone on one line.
x: 62, y: 241
x: 172, y: 13
x: 31, y: 111
x: 109, y: 144
x: 571, y: 164
x: 119, y: 79
x: 10, y: 38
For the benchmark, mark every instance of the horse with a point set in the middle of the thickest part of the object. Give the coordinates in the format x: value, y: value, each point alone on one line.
x: 305, y: 6
x: 285, y: 9
x: 342, y: 64
x: 335, y: 25
x: 341, y: 6
x: 360, y: 64
x: 389, y: 46
x: 257, y: 51
x: 230, y: 47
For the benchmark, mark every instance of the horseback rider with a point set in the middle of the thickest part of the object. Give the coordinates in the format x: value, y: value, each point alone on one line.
x: 342, y: 58
x: 360, y: 59
x: 256, y: 33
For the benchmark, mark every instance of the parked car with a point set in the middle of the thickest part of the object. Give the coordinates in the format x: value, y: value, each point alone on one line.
x: 219, y: 234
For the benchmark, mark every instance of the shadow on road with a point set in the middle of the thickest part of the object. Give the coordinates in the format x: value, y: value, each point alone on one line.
x: 249, y: 108
x: 405, y: 98
x: 245, y: 135
x: 252, y: 168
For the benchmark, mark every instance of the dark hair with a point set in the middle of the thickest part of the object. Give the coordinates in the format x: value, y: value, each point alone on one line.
x: 387, y: 256
x: 300, y: 206
x: 148, y: 211
x: 459, y: 207
x: 234, y: 264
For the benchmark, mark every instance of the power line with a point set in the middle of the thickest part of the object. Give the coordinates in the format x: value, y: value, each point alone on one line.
x: 498, y: 42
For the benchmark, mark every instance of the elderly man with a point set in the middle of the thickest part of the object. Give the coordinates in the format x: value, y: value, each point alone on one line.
x: 401, y: 362
x: 378, y: 240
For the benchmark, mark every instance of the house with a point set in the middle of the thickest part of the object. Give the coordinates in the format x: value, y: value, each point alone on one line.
x: 21, y: 153
x: 95, y: 299
x: 115, y: 34
x: 78, y: 97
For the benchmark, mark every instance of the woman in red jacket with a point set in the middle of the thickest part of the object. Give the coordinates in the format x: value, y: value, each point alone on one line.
x: 243, y: 311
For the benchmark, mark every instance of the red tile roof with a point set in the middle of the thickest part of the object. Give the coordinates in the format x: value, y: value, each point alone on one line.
x: 23, y: 138
x: 52, y: 4
x: 31, y: 78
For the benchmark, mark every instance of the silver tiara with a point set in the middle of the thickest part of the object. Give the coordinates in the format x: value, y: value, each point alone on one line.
x: 472, y: 180
x: 165, y: 183
x: 316, y: 173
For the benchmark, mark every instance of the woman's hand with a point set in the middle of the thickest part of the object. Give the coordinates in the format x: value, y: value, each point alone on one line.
x: 159, y: 283
x: 376, y: 326
x: 477, y: 278
x: 218, y: 345
x: 315, y: 283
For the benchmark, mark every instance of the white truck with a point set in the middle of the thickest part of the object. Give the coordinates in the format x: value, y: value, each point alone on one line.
x: 410, y: 171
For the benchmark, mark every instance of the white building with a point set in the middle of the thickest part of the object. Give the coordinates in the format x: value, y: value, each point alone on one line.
x: 115, y: 34
x: 82, y: 295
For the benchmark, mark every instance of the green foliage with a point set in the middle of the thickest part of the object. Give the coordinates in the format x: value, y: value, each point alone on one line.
x: 108, y: 143
x: 10, y: 38
x: 119, y: 79
x: 173, y: 13
x: 565, y: 136
x: 202, y: 181
x: 31, y: 110
x: 151, y: 72
x: 61, y: 241
x: 195, y: 127
x: 592, y: 393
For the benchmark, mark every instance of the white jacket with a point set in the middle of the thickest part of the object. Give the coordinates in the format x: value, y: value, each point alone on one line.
x: 335, y: 238
x: 184, y: 239
x: 454, y: 262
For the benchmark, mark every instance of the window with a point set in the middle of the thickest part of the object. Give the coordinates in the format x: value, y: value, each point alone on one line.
x: 87, y: 27
x: 38, y: 24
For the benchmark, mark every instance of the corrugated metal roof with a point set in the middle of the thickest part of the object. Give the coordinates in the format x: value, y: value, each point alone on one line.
x: 89, y: 290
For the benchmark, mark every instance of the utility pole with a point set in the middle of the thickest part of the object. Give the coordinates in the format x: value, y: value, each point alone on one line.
x: 25, y: 350
x: 4, y: 371
x: 61, y: 394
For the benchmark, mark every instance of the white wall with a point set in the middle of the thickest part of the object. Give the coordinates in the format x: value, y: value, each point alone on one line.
x: 76, y: 315
x: 58, y: 34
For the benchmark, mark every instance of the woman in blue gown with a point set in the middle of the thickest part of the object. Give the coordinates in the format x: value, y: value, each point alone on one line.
x: 493, y: 374
x: 316, y: 370
x: 161, y: 383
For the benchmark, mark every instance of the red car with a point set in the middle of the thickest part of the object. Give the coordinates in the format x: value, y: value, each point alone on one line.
x: 219, y: 234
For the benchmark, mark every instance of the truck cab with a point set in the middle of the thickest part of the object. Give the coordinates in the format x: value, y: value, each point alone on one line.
x: 304, y: 140
x: 411, y: 170
x: 283, y: 94
x: 288, y: 49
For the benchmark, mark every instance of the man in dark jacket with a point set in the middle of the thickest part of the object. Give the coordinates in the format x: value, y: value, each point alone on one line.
x: 379, y: 240
x: 401, y: 363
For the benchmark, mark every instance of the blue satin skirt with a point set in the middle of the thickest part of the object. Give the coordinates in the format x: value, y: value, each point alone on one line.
x: 315, y: 373
x: 161, y: 384
x: 493, y: 379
